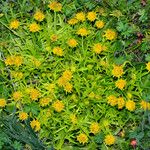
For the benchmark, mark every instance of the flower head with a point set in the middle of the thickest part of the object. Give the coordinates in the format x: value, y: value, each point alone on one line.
x: 58, y: 105
x: 148, y: 66
x: 55, y: 6
x: 80, y: 16
x: 110, y: 34
x: 82, y: 138
x: 72, y: 43
x: 17, y: 74
x: 112, y: 100
x: 99, y: 24
x: 58, y: 51
x: 14, y: 24
x: 98, y: 48
x: 34, y: 27
x: 54, y: 37
x: 109, y: 139
x: 34, y: 94
x: 73, y: 118
x: 91, y: 16
x: 72, y: 21
x: 145, y: 105
x: 120, y: 84
x: 2, y: 102
x: 82, y: 32
x: 23, y: 116
x: 94, y: 128
x: 35, y: 125
x: 67, y: 74
x: 130, y: 105
x: 17, y: 95
x: 14, y: 60
x: 44, y: 101
x: 121, y: 102
x: 39, y: 16
x: 117, y: 71
x: 68, y: 87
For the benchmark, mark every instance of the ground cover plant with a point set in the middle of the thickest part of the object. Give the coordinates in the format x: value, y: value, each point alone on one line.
x: 75, y: 75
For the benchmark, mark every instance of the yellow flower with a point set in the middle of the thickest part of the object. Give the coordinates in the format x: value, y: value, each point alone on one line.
x: 34, y: 94
x: 67, y: 74
x: 94, y: 128
x: 91, y: 16
x: 117, y: 71
x: 45, y: 101
x: 39, y: 16
x: 145, y: 105
x: 36, y: 62
x: 82, y: 138
x: 54, y: 37
x: 35, y: 125
x: 14, y: 24
x: 73, y: 118
x: 18, y: 60
x: 2, y: 102
x: 72, y: 43
x: 148, y: 66
x: 9, y: 60
x: 110, y: 34
x: 91, y: 95
x: 17, y: 74
x: 23, y: 116
x: 109, y: 139
x: 129, y: 95
x: 99, y: 24
x: 58, y: 51
x: 34, y: 27
x: 98, y: 48
x: 72, y: 21
x: 121, y: 103
x: 80, y: 16
x: 120, y: 84
x: 55, y: 6
x: 130, y: 105
x: 58, y: 106
x: 61, y: 81
x: 82, y: 32
x: 112, y: 100
x: 68, y: 87
x: 17, y: 95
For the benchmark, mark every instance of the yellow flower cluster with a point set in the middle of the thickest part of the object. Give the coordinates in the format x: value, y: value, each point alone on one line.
x: 94, y: 128
x: 58, y: 106
x: 44, y: 101
x: 17, y: 74
x: 121, y: 102
x: 130, y: 105
x: 39, y: 16
x: 82, y: 32
x: 55, y: 6
x: 54, y: 37
x: 82, y: 138
x: 17, y: 95
x: 110, y: 34
x: 34, y: 27
x: 64, y: 81
x: 72, y: 43
x: 98, y: 48
x: 112, y: 100
x: 148, y: 66
x: 58, y: 51
x: 80, y: 16
x: 91, y: 16
x: 14, y: 60
x: 109, y: 139
x: 34, y: 94
x: 117, y: 71
x: 72, y: 21
x: 145, y: 105
x: 14, y: 24
x: 73, y: 118
x: 35, y: 124
x: 23, y: 116
x: 99, y: 24
x: 120, y: 84
x: 2, y: 102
